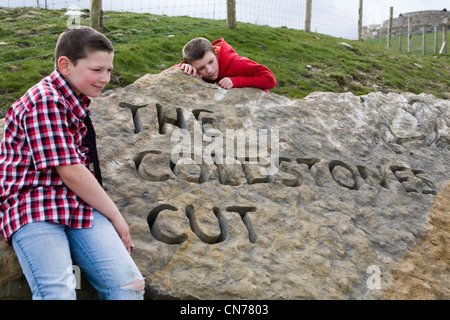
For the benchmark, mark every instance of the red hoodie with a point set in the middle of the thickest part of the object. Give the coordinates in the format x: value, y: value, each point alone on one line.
x: 242, y: 71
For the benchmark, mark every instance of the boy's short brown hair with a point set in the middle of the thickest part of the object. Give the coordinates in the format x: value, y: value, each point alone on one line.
x: 77, y: 42
x: 196, y: 49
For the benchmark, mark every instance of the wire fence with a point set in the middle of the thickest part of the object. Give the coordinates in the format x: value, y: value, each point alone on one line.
x: 418, y: 32
x: 27, y: 33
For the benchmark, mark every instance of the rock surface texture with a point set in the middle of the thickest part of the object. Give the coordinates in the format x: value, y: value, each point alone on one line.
x: 244, y: 194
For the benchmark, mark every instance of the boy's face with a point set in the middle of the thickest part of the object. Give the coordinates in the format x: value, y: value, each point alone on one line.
x: 207, y: 67
x: 91, y: 74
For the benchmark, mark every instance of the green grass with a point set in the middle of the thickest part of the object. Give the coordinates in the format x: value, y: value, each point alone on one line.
x: 301, y: 62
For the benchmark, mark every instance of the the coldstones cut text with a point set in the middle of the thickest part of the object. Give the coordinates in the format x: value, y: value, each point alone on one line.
x: 201, y: 154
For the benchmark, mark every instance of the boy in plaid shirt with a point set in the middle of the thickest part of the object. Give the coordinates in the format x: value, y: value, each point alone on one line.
x: 52, y: 207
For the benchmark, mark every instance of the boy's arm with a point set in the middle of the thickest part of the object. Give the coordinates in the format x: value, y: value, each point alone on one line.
x: 82, y: 182
x: 244, y: 72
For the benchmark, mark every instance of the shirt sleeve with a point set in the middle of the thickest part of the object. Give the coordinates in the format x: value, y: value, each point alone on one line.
x: 51, y: 135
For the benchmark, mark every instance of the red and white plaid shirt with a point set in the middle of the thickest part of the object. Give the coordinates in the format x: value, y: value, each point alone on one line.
x: 43, y: 129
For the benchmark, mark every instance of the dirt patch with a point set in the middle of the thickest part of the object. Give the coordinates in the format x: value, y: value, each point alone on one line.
x: 424, y: 273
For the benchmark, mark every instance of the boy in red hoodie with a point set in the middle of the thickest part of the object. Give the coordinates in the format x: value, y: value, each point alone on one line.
x: 217, y: 62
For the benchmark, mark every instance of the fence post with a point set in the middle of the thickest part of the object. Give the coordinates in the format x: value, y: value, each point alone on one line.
x: 435, y: 39
x: 424, y: 41
x: 409, y: 34
x: 231, y: 14
x: 96, y: 9
x: 391, y: 18
x: 381, y: 35
x: 360, y: 21
x: 444, y: 37
x: 400, y: 33
x: 308, y: 15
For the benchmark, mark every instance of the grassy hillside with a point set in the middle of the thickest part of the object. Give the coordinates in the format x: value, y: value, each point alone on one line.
x: 302, y: 62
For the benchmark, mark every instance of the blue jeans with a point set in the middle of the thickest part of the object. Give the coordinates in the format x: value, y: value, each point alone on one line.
x: 45, y: 251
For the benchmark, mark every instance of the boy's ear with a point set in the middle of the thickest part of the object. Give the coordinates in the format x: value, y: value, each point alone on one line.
x: 64, y: 64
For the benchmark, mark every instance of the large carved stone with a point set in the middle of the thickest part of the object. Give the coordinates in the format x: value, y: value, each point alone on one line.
x: 344, y: 197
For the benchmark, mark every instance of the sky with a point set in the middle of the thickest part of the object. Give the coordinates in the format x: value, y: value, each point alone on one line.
x: 337, y: 18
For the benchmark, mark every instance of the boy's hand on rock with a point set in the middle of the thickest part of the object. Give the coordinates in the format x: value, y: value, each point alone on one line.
x: 226, y: 83
x: 189, y: 69
x: 123, y: 230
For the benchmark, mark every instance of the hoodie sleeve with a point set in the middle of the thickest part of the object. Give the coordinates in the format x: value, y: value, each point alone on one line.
x: 244, y: 72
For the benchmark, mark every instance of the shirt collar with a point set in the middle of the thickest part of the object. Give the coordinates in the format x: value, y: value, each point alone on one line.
x: 79, y: 104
